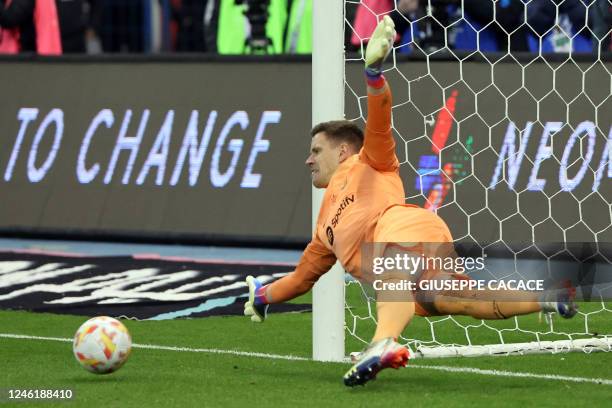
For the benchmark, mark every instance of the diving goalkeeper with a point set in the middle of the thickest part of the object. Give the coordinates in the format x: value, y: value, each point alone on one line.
x: 364, y: 203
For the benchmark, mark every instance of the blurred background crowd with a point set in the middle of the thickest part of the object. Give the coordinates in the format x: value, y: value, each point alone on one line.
x: 285, y: 26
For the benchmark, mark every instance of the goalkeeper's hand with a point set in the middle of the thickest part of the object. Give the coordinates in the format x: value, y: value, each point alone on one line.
x: 379, y: 46
x: 254, y: 307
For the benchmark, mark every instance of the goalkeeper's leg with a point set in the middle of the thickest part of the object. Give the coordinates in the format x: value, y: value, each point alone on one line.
x: 483, y: 305
x: 393, y: 317
x: 502, y: 304
x: 394, y: 313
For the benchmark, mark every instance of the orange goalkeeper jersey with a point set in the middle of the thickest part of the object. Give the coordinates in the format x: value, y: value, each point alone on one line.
x: 360, y: 190
x: 364, y: 202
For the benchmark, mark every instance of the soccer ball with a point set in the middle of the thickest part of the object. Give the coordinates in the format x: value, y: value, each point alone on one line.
x: 102, y: 345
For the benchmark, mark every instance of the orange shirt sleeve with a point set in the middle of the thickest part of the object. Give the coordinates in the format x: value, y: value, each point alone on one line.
x: 315, y: 261
x: 379, y: 146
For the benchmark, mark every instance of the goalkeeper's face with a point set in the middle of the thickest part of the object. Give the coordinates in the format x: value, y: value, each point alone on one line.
x: 325, y: 157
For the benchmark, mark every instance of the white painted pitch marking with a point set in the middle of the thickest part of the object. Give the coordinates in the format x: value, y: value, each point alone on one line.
x: 469, y: 370
x: 519, y: 374
x: 171, y: 348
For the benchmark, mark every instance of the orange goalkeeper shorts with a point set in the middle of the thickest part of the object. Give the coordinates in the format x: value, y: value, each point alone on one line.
x: 410, y: 224
x: 416, y: 230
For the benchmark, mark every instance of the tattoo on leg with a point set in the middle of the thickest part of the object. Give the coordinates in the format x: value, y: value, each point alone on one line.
x: 498, y: 312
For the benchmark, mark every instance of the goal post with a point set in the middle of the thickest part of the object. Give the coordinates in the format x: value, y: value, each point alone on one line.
x: 327, y: 104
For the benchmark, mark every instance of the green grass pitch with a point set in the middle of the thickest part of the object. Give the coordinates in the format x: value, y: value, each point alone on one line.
x: 183, y: 378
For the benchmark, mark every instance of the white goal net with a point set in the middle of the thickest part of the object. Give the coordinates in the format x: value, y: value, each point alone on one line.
x: 502, y: 115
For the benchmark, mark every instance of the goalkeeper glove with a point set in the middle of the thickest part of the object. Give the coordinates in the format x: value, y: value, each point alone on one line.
x: 256, y: 306
x: 379, y: 47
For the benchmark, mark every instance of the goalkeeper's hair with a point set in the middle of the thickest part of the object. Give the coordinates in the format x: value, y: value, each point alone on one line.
x: 339, y: 131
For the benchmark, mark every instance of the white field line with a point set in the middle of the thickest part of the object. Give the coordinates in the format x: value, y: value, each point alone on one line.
x: 470, y: 370
x: 170, y: 348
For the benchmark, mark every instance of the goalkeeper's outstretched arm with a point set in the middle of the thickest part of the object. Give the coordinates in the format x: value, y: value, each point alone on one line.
x: 315, y: 261
x: 379, y: 145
